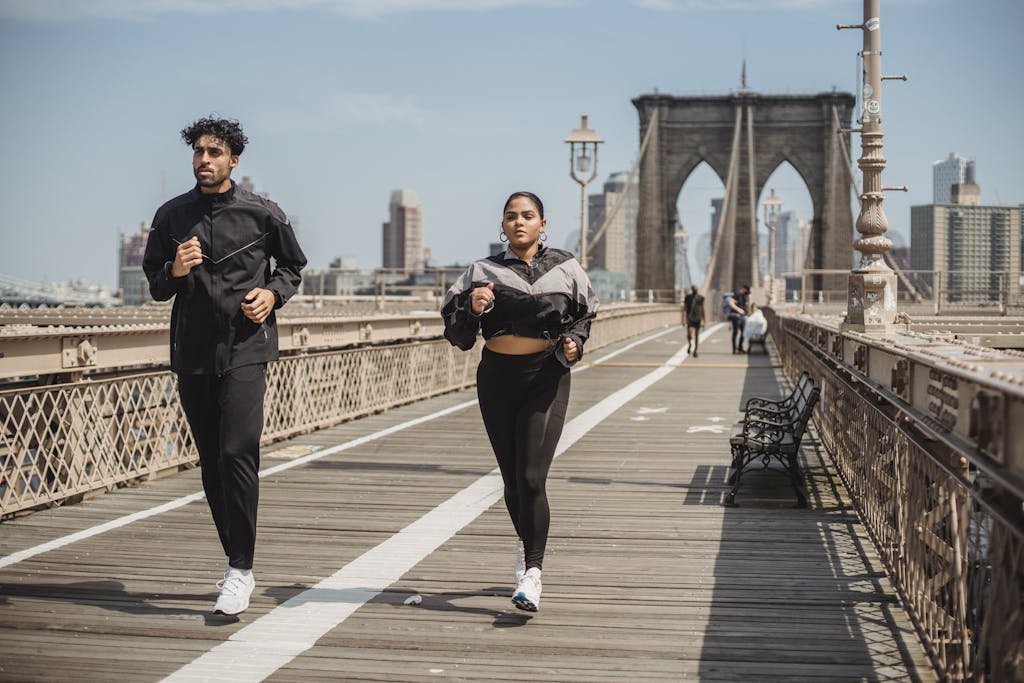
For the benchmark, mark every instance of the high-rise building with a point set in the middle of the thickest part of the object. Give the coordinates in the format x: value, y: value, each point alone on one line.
x: 615, y: 251
x: 403, y: 233
x: 945, y: 174
x: 131, y: 281
x: 976, y: 247
x: 716, y: 216
x: 790, y: 238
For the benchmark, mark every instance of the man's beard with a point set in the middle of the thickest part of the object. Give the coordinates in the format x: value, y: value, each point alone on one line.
x: 211, y: 180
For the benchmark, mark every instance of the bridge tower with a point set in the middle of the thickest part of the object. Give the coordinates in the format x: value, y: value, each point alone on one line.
x: 743, y: 137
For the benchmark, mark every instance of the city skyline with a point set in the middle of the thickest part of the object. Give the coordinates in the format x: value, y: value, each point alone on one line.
x: 354, y: 99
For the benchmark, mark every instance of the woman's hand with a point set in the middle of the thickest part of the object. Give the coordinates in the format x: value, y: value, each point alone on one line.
x: 481, y: 299
x: 571, y: 351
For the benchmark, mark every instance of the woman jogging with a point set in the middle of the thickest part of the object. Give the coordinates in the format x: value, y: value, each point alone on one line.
x: 534, y: 305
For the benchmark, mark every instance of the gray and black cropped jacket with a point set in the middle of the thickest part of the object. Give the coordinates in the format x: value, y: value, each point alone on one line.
x: 548, y: 298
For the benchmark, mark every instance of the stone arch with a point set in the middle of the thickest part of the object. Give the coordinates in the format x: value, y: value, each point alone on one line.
x: 799, y: 129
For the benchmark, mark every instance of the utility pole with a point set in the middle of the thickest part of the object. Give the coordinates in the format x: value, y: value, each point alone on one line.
x: 871, y: 297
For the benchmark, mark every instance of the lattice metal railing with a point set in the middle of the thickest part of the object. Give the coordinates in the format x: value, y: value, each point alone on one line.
x: 957, y: 562
x: 59, y: 443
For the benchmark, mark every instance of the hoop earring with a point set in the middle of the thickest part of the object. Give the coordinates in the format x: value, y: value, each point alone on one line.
x: 502, y: 237
x: 543, y: 237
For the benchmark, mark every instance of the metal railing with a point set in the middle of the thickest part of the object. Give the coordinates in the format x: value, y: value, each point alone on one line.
x: 935, y: 291
x: 953, y: 541
x: 63, y: 442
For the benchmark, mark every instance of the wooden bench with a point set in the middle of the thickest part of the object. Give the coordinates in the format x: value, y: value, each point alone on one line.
x: 771, y: 431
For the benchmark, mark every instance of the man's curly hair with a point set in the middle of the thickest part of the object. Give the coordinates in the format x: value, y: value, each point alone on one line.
x: 228, y: 130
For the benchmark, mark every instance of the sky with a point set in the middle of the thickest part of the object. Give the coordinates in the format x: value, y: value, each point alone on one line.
x: 463, y: 101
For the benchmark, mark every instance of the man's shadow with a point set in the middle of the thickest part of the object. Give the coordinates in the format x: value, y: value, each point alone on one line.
x: 109, y: 594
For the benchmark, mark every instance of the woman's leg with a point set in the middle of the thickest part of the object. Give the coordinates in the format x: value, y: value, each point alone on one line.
x: 539, y: 421
x: 498, y: 409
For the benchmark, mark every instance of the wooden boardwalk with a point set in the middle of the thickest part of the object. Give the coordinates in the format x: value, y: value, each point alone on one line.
x: 647, y: 577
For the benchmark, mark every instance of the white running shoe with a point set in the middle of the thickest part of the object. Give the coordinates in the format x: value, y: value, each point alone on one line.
x: 235, y: 589
x: 520, y: 566
x: 527, y: 595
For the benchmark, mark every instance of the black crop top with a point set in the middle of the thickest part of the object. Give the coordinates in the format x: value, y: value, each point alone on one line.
x: 547, y: 298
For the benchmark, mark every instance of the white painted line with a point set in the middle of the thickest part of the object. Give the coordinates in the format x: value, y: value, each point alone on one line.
x: 258, y: 650
x: 22, y: 555
x: 99, y: 529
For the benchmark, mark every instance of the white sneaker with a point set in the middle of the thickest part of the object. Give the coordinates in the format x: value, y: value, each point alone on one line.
x: 235, y: 589
x: 520, y: 566
x: 527, y: 595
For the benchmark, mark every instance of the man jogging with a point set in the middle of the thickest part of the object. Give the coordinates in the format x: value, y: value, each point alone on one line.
x: 211, y: 249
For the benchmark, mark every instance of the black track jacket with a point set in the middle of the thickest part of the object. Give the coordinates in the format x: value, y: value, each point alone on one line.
x: 239, y: 232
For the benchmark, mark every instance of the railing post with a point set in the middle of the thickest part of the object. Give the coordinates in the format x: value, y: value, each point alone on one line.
x: 1004, y: 298
x: 803, y: 291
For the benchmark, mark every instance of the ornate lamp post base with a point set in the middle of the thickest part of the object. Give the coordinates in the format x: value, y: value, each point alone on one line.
x: 871, y: 302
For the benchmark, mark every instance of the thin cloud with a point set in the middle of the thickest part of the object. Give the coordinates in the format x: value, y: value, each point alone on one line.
x: 736, y: 5
x: 362, y: 107
x: 136, y: 10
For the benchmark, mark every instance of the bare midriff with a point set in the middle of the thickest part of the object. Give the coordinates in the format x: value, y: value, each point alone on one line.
x: 517, y: 346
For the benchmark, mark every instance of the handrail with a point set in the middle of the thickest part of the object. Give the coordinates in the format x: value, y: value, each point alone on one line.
x: 60, y: 442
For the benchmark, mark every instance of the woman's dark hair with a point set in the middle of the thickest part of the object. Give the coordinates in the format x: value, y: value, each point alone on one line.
x: 224, y: 129
x: 528, y: 195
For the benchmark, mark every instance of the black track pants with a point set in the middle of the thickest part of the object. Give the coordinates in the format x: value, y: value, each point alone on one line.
x: 226, y: 416
x: 523, y: 401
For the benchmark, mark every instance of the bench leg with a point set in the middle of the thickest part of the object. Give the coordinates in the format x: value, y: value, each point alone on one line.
x: 739, y: 460
x: 796, y: 476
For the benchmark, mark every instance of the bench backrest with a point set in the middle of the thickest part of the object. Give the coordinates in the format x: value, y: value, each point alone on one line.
x: 801, y: 385
x: 803, y: 418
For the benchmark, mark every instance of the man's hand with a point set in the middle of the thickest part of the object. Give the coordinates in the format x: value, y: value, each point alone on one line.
x: 571, y: 351
x: 480, y: 298
x: 258, y: 304
x: 188, y: 255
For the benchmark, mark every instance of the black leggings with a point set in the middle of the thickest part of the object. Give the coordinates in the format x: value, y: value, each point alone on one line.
x: 226, y: 416
x: 523, y: 401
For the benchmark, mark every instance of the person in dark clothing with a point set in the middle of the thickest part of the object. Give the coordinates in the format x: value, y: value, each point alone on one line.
x: 737, y: 315
x: 211, y: 249
x: 694, y: 315
x: 534, y: 305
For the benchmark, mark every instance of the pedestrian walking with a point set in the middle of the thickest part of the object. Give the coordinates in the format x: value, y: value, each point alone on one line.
x: 695, y: 314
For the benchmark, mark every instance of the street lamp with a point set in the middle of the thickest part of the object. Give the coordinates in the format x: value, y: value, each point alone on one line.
x: 583, y: 144
x: 772, y: 210
x: 680, y: 235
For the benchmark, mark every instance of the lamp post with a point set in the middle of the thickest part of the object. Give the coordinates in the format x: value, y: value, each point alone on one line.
x: 583, y: 143
x: 681, y: 236
x: 772, y: 211
x: 871, y: 297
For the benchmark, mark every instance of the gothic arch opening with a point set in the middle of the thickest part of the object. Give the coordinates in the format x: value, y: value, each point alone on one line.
x: 695, y: 209
x: 786, y: 208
